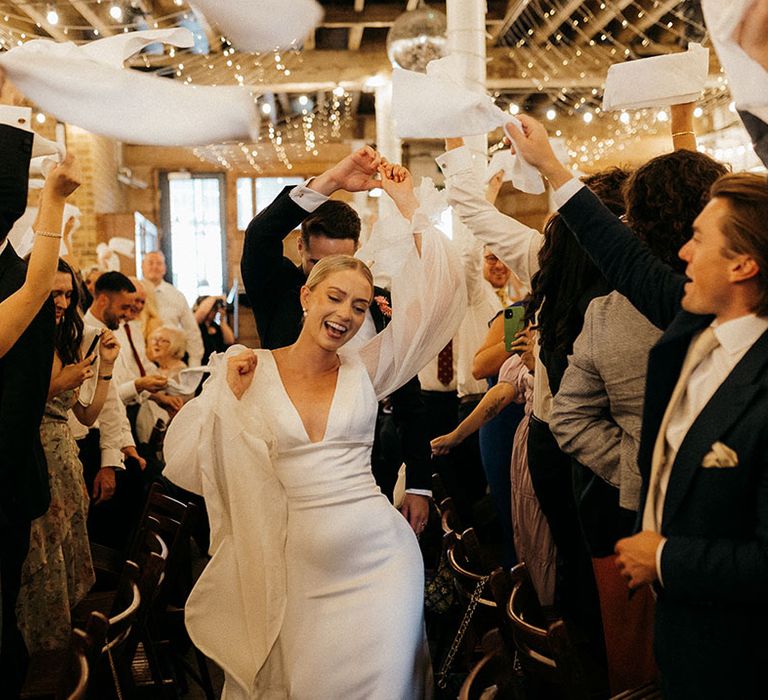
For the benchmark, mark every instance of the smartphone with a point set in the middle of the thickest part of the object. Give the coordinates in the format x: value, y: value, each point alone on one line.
x: 92, y: 346
x: 513, y: 323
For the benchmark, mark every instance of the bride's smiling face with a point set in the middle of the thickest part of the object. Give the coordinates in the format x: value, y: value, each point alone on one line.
x: 335, y: 308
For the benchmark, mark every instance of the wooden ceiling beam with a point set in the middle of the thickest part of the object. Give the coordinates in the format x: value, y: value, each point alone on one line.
x: 611, y: 11
x: 40, y: 19
x: 87, y: 13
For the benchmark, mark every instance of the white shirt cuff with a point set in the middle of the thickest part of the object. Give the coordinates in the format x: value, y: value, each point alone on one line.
x: 455, y: 161
x: 18, y: 117
x: 420, y: 492
x: 563, y: 193
x: 659, y: 550
x: 127, y: 392
x: 110, y: 457
x: 307, y: 199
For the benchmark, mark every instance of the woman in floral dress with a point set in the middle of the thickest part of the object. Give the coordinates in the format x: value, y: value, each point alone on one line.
x: 58, y: 571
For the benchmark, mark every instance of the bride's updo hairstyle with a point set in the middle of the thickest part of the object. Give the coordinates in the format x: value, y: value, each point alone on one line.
x: 331, y: 264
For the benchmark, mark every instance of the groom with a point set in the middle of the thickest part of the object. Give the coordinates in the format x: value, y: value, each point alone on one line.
x: 330, y: 227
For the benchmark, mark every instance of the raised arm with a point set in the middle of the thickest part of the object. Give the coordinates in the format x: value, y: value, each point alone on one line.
x: 652, y: 286
x: 683, y: 135
x: 18, y: 310
x: 515, y: 244
x: 428, y: 296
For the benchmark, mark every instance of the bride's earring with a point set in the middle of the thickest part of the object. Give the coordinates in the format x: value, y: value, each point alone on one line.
x: 304, y: 313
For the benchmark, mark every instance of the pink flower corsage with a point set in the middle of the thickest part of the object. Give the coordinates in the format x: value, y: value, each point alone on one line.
x: 383, y: 303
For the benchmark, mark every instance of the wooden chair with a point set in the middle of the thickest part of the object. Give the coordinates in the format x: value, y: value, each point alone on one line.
x: 470, y: 572
x: 64, y: 674
x: 492, y: 676
x: 543, y: 647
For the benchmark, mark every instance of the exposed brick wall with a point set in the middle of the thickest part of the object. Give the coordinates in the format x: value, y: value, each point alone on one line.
x: 100, y: 192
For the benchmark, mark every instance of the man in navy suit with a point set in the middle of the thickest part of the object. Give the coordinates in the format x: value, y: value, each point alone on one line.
x: 703, y: 541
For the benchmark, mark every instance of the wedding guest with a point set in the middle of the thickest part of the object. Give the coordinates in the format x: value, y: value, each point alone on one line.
x: 57, y: 571
x: 211, y: 316
x: 172, y: 306
x: 596, y: 414
x: 25, y: 369
x: 702, y: 451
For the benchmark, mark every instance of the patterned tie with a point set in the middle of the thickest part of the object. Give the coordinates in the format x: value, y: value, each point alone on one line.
x: 135, y: 352
x: 503, y: 297
x: 445, y: 364
x: 699, y: 349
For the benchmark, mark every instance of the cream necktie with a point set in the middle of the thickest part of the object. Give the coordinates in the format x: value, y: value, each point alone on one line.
x: 699, y: 349
x: 503, y: 297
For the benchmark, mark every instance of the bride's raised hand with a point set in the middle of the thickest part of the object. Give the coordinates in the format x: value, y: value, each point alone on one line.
x: 240, y: 369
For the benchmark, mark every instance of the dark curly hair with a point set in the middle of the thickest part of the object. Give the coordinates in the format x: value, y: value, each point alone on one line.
x: 566, y: 272
x: 332, y: 219
x: 665, y: 195
x: 69, y: 332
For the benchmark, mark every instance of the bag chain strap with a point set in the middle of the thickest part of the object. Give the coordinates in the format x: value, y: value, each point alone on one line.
x: 442, y: 676
x: 115, y: 678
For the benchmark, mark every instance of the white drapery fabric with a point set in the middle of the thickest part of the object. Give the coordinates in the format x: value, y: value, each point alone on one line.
x: 453, y: 111
x: 262, y: 25
x: 657, y: 81
x: 88, y: 86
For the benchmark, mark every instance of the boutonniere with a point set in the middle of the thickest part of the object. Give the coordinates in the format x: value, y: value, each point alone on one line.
x: 383, y: 303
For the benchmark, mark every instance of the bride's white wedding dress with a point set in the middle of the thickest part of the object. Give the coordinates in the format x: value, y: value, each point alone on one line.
x: 315, y: 588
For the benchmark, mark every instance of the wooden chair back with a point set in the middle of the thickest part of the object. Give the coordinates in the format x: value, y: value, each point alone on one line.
x: 544, y: 648
x: 84, y: 649
x: 493, y: 671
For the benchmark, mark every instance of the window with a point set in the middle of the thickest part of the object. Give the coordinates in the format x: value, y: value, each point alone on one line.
x: 255, y: 194
x: 193, y: 216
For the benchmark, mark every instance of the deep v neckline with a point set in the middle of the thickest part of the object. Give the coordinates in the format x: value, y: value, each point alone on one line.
x: 295, y: 410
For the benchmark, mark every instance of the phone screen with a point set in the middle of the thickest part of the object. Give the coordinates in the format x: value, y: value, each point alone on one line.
x: 513, y: 323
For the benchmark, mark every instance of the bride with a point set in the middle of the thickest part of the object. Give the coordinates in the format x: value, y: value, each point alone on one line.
x: 315, y: 587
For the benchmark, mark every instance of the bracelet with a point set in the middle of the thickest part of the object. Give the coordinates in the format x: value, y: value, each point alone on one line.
x: 683, y: 133
x: 105, y: 377
x: 49, y: 234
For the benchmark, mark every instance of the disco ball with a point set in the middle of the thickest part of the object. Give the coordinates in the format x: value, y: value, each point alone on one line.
x: 416, y: 38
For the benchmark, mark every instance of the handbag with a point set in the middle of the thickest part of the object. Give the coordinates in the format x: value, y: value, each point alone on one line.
x: 439, y: 593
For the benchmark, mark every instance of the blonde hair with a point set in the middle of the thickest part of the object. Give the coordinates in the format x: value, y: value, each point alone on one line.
x: 331, y: 264
x: 178, y: 345
x: 149, y: 318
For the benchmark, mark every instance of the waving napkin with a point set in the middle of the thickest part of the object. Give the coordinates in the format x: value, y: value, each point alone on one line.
x: 747, y: 79
x: 660, y: 80
x: 88, y: 87
x: 262, y: 25
x: 439, y: 105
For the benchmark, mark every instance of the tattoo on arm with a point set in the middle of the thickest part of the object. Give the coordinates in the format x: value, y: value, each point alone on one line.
x: 494, y: 407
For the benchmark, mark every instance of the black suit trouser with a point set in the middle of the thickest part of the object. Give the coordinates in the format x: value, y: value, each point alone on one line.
x: 14, y: 659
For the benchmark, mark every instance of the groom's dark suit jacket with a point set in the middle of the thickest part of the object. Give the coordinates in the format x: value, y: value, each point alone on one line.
x: 25, y: 371
x: 712, y: 609
x: 273, y: 282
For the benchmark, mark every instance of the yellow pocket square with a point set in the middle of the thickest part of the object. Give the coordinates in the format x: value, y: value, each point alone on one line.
x: 720, y: 456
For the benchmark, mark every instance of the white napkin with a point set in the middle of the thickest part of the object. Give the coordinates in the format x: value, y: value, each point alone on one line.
x: 86, y: 86
x: 501, y: 160
x: 186, y: 383
x: 657, y: 81
x: 438, y: 105
x: 747, y: 79
x: 262, y: 25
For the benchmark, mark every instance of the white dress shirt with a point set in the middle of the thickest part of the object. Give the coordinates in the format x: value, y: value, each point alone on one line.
x: 126, y: 369
x: 112, y: 423
x: 174, y: 310
x: 514, y: 243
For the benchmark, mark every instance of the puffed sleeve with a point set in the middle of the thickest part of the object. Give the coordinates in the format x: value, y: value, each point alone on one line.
x: 428, y: 299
